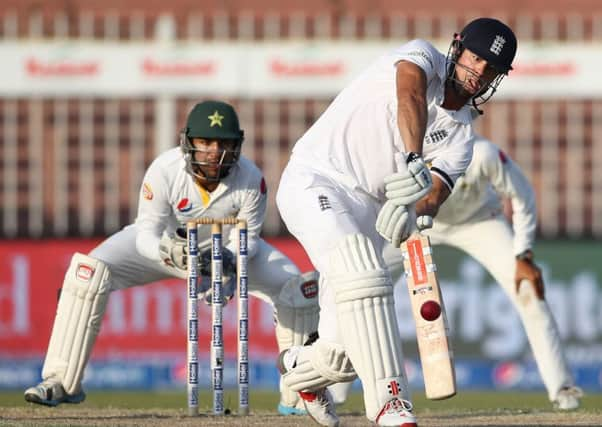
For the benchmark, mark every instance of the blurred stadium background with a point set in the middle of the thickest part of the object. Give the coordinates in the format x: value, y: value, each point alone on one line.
x: 91, y: 92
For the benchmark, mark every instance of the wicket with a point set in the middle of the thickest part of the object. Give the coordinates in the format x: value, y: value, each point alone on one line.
x: 217, y: 341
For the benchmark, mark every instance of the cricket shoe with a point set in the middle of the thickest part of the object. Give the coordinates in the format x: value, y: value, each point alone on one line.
x: 397, y: 412
x: 568, y: 398
x: 318, y: 404
x: 50, y: 392
x: 320, y: 407
x: 290, y: 410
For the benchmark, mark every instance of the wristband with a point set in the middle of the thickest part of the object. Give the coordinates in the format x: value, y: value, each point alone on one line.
x: 526, y: 255
x: 412, y: 156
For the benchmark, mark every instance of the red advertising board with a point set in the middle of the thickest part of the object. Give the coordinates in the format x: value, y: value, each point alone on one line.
x: 144, y: 319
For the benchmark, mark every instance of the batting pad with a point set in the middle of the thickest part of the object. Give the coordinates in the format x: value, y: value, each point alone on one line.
x: 367, y: 321
x: 318, y: 366
x: 78, y: 317
x: 297, y: 314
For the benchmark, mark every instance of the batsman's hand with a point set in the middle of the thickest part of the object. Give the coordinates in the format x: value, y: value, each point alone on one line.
x: 394, y: 223
x: 409, y: 186
x: 173, y: 251
x: 526, y: 269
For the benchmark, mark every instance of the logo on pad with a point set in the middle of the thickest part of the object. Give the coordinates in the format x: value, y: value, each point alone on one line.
x: 309, y: 289
x: 84, y: 272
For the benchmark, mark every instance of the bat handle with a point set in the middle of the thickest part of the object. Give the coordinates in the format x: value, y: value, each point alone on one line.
x: 424, y: 222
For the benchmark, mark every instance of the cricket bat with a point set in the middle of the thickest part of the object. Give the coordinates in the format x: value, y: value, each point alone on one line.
x: 432, y: 329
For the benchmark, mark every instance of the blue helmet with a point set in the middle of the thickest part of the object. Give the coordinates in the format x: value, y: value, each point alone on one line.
x: 491, y: 40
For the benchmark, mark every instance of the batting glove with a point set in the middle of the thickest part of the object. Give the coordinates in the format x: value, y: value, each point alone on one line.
x: 393, y: 223
x: 409, y: 186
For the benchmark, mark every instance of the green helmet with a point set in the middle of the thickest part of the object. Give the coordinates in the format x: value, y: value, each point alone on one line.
x: 211, y: 120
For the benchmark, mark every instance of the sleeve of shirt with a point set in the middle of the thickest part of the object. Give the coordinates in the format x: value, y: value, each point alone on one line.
x: 508, y: 180
x: 421, y: 53
x: 253, y: 210
x: 153, y: 212
x: 451, y: 164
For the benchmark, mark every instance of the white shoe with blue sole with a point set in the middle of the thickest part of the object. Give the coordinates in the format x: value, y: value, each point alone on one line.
x: 51, y: 393
x: 290, y: 410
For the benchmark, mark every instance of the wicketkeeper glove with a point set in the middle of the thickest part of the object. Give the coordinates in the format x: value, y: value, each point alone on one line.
x: 228, y: 276
x: 173, y: 251
x: 228, y: 263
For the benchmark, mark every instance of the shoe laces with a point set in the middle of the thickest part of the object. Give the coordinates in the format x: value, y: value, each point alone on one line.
x: 318, y: 397
x: 322, y: 399
x: 572, y: 391
x: 50, y: 383
x: 397, y: 405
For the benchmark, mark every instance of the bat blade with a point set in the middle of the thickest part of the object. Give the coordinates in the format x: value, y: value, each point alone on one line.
x: 432, y: 330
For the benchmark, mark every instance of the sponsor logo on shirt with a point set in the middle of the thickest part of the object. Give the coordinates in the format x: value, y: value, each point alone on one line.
x: 147, y: 191
x: 436, y: 136
x: 184, y: 205
x: 324, y: 202
x: 421, y: 54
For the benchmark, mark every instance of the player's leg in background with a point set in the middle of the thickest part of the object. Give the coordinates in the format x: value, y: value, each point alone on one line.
x: 114, y: 264
x: 541, y: 329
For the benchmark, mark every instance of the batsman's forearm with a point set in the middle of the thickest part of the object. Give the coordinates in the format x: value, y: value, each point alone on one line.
x: 411, y: 120
x: 427, y: 207
x: 412, y: 110
x: 429, y: 204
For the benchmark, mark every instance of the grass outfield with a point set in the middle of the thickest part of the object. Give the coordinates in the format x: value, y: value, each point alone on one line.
x: 169, y: 409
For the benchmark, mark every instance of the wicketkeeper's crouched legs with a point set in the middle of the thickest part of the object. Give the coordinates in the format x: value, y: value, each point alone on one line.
x: 296, y: 314
x: 318, y: 366
x: 81, y: 307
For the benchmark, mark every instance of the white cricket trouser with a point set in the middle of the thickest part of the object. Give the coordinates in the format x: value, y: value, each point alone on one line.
x: 269, y: 269
x: 490, y: 242
x: 320, y: 213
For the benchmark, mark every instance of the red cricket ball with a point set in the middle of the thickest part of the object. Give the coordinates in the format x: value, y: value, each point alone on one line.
x: 430, y: 310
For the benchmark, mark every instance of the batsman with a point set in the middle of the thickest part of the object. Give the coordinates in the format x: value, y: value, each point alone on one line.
x: 472, y: 219
x: 351, y: 184
x: 206, y: 176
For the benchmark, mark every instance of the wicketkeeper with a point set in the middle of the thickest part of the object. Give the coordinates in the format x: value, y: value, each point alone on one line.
x: 206, y: 176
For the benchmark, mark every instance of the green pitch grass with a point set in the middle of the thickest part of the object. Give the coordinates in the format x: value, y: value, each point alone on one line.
x: 167, y: 409
x: 268, y: 400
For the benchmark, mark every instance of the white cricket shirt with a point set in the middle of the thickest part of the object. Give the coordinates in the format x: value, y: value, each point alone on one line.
x: 476, y: 195
x: 356, y: 141
x: 170, y: 197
